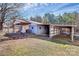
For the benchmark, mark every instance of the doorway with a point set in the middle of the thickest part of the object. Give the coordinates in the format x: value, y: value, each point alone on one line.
x: 47, y: 30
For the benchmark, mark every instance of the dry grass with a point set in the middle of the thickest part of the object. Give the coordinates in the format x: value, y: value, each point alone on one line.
x: 36, y: 47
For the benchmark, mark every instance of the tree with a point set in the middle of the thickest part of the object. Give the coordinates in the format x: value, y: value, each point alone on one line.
x: 37, y: 18
x: 7, y: 10
x: 69, y: 18
x: 59, y: 19
x: 45, y: 20
x: 66, y: 18
x: 50, y: 17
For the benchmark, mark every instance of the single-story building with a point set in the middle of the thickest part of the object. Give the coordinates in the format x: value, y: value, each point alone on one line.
x: 51, y: 30
x: 42, y: 29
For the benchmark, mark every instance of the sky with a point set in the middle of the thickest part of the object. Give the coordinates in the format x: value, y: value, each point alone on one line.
x: 39, y: 9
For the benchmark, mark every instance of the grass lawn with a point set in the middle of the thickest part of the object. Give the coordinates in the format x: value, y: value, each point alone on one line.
x: 36, y: 47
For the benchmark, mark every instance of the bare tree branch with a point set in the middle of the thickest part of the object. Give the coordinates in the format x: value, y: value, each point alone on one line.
x: 8, y: 10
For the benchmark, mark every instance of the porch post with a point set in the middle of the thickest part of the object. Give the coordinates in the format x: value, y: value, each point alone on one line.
x: 72, y: 34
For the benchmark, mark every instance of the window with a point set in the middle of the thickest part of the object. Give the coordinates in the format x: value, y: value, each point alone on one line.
x: 39, y: 27
x: 32, y: 27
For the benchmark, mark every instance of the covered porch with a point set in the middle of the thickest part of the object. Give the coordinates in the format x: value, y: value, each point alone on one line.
x: 63, y: 30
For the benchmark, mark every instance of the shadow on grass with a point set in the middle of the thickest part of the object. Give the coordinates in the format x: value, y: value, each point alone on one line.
x: 13, y: 36
x: 16, y: 35
x: 60, y: 39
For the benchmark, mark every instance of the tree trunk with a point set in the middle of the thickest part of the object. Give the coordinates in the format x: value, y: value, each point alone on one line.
x: 2, y: 21
x: 1, y: 25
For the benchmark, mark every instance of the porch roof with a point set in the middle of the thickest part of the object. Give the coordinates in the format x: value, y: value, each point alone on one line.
x: 64, y: 25
x: 59, y: 25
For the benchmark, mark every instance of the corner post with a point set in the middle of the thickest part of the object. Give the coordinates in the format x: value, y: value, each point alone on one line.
x: 72, y: 34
